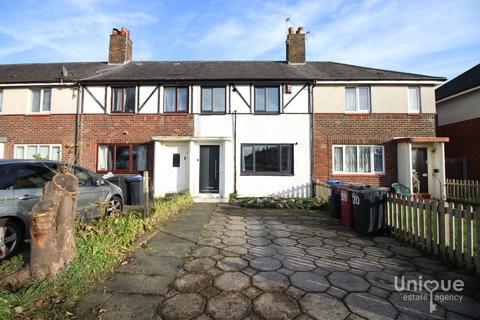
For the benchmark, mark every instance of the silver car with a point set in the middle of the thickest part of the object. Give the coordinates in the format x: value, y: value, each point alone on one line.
x: 21, y: 184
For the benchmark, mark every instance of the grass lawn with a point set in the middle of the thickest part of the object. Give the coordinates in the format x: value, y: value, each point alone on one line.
x: 101, y: 245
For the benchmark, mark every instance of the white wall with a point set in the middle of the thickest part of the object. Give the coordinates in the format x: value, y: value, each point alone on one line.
x: 404, y: 164
x: 461, y: 108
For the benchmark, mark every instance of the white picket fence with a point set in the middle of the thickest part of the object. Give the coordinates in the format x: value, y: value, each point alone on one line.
x: 448, y: 230
x: 465, y: 190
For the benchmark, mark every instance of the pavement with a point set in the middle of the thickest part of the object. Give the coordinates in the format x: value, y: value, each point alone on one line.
x: 227, y: 262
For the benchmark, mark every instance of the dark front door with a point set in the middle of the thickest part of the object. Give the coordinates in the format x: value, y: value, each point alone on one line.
x: 420, y: 170
x: 209, y: 168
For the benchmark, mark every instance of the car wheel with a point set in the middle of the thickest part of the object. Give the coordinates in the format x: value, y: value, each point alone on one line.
x: 11, y: 240
x: 115, y: 206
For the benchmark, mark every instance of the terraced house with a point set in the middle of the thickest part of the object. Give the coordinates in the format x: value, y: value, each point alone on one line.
x: 212, y: 128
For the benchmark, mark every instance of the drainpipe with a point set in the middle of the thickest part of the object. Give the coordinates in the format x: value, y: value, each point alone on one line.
x: 312, y: 150
x: 235, y: 152
x: 77, y: 124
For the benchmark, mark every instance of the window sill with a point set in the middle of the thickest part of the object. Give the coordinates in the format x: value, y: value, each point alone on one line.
x: 269, y: 113
x: 418, y: 113
x: 123, y: 113
x: 183, y: 113
x: 357, y: 113
x: 39, y: 114
x: 212, y: 113
x: 274, y: 174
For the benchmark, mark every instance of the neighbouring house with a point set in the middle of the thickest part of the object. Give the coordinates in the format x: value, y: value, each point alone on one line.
x: 458, y: 108
x: 255, y: 128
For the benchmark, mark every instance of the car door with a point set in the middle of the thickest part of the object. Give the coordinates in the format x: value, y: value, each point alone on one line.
x: 7, y: 180
x: 29, y: 182
x: 90, y: 194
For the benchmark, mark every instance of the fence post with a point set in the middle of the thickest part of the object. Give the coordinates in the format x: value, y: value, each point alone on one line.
x: 421, y: 220
x: 477, y: 223
x: 459, y: 214
x: 429, y: 227
x: 451, y: 232
x: 469, y: 228
x: 441, y: 228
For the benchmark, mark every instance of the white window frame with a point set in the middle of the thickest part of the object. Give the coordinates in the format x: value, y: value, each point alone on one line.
x: 372, y: 159
x: 42, y: 91
x: 357, y: 99
x: 419, y: 100
x: 1, y: 100
x: 2, y: 150
x: 50, y: 149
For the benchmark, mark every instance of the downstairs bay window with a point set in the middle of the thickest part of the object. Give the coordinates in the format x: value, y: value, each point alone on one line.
x: 358, y: 159
x: 122, y: 158
x: 267, y: 159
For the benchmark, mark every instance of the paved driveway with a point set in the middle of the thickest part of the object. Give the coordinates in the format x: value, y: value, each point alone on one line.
x: 276, y: 264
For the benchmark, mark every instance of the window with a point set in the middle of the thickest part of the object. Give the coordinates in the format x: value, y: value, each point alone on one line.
x: 33, y: 176
x: 176, y: 99
x: 84, y: 178
x: 8, y: 173
x: 123, y: 99
x: 267, y: 99
x: 1, y: 100
x: 357, y: 99
x: 267, y: 159
x: 41, y: 100
x: 38, y: 151
x: 176, y: 160
x: 358, y: 159
x: 414, y: 99
x: 213, y: 99
x: 122, y: 158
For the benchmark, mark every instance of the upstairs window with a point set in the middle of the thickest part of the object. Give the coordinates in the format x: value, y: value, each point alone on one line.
x: 176, y: 99
x: 413, y: 99
x: 122, y: 158
x: 1, y: 100
x: 41, y: 100
x: 213, y: 99
x: 267, y: 159
x: 267, y: 99
x: 357, y: 99
x: 123, y: 99
x: 358, y: 159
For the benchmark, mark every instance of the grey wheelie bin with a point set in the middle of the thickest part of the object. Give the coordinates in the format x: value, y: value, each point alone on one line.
x: 370, y: 210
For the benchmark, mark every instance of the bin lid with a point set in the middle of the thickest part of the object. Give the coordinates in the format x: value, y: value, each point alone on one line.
x: 335, y: 182
x: 135, y: 178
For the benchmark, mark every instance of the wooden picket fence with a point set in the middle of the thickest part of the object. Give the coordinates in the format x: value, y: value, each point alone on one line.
x: 464, y: 190
x: 443, y: 229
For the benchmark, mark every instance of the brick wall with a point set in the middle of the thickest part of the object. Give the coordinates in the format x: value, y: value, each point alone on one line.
x: 464, y: 142
x: 37, y: 129
x: 375, y: 128
x: 111, y: 129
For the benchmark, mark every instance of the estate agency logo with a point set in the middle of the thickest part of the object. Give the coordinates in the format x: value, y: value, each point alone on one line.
x: 431, y: 290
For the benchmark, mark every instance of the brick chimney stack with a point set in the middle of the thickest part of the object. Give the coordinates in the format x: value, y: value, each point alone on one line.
x: 296, y: 46
x: 120, y: 50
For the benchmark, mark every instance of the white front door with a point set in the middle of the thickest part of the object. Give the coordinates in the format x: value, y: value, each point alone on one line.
x: 175, y: 168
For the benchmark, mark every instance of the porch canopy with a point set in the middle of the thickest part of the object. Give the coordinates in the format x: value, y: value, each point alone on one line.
x: 421, y: 164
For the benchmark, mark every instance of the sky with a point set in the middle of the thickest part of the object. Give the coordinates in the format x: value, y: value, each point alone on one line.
x: 433, y: 37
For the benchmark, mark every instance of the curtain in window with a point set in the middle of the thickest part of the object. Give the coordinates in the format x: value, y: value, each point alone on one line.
x: 105, y: 159
x: 378, y: 159
x: 351, y: 99
x: 36, y: 100
x: 31, y: 151
x: 19, y: 152
x: 182, y: 99
x: 117, y: 100
x: 170, y: 97
x: 413, y: 99
x: 364, y: 159
x: 338, y: 159
x: 351, y: 159
x: 272, y: 99
x: 363, y: 99
x: 247, y: 154
x: 286, y: 153
x: 259, y: 99
x: 142, y: 158
x: 44, y: 152
x: 207, y: 99
x: 47, y: 97
x: 55, y: 153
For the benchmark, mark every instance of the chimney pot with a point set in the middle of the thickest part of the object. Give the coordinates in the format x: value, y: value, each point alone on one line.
x: 300, y: 30
x: 115, y: 31
x: 291, y: 30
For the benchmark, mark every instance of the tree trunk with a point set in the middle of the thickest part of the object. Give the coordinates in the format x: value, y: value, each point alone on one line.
x: 52, y: 233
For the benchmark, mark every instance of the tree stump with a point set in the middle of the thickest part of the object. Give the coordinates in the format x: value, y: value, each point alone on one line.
x: 52, y: 233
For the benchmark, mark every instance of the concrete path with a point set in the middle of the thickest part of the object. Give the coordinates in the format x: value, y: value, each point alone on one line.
x: 275, y: 264
x: 138, y: 287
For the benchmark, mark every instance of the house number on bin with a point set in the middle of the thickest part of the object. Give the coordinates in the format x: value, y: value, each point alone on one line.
x: 355, y: 199
x: 344, y: 196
